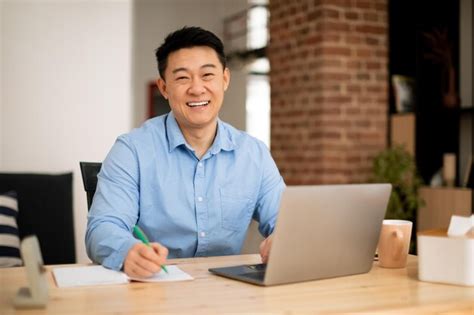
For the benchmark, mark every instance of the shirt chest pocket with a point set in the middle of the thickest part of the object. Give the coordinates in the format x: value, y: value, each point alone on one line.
x: 236, y: 210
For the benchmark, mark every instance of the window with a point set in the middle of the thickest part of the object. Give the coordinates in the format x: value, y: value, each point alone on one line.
x: 258, y: 84
x: 258, y: 101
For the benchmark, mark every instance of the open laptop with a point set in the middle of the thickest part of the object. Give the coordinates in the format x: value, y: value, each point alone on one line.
x: 321, y: 232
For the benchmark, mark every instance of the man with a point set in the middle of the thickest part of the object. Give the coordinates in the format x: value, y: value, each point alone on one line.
x: 189, y: 180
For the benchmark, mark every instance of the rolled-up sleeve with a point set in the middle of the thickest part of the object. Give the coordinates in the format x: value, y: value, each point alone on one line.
x: 271, y: 188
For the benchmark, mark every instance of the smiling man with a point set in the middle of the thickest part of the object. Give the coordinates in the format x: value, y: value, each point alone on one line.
x: 190, y: 181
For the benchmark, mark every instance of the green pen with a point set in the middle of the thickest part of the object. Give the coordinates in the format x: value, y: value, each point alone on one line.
x: 141, y: 235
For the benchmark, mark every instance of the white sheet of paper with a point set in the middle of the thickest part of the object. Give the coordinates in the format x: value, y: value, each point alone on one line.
x: 87, y: 275
x: 67, y: 277
x: 174, y: 274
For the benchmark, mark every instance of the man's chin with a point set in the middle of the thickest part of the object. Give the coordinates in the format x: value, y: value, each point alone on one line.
x: 199, y: 123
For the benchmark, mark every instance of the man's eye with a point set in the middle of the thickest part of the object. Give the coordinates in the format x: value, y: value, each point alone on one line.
x: 181, y: 78
x: 208, y: 75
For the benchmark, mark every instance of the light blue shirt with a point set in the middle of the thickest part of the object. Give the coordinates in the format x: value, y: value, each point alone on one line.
x: 152, y: 177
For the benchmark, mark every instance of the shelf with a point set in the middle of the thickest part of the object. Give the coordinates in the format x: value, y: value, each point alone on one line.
x: 402, y: 131
x: 440, y: 204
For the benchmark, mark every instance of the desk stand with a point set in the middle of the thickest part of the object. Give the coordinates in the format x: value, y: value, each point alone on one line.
x: 35, y: 296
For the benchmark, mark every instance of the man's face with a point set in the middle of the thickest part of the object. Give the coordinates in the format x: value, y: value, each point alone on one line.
x: 194, y: 86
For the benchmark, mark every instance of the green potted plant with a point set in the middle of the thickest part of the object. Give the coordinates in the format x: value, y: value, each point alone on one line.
x: 396, y: 166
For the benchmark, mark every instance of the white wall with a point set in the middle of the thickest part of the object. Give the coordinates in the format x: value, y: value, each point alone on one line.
x: 153, y: 20
x: 66, y: 81
x: 1, y: 76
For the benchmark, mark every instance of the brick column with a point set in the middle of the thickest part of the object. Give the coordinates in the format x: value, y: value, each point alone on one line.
x: 329, y: 92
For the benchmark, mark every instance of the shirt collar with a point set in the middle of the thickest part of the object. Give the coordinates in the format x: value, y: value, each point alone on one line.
x: 175, y: 136
x: 223, y: 141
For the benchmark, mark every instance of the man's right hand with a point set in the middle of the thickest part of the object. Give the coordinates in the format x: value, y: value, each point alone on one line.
x: 143, y: 261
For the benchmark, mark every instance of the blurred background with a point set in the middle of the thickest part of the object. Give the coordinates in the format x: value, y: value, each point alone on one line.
x: 328, y: 85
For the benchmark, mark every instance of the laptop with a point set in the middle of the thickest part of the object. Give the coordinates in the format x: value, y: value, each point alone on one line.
x: 321, y: 232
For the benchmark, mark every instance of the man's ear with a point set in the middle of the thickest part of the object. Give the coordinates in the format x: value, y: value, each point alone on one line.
x: 161, y: 84
x: 226, y: 78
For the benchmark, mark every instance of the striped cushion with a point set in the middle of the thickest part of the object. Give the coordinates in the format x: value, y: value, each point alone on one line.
x: 9, y: 239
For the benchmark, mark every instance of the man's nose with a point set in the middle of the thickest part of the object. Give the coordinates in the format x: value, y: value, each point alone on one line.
x: 197, y: 87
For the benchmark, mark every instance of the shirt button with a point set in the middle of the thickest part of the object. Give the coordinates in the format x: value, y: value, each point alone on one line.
x: 199, y: 199
x: 200, y: 164
x: 203, y: 234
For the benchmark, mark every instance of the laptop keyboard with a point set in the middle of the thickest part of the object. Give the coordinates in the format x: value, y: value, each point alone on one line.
x: 257, y: 273
x: 258, y: 267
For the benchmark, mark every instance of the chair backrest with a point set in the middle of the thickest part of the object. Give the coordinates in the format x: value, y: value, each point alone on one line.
x: 89, y: 171
x: 45, y: 210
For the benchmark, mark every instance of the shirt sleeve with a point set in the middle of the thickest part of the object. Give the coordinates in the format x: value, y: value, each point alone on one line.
x: 114, y: 210
x: 271, y: 189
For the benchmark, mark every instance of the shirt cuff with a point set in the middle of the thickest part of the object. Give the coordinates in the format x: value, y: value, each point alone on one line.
x: 116, y: 260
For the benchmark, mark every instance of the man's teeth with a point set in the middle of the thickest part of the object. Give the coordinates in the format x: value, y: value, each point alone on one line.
x: 192, y: 104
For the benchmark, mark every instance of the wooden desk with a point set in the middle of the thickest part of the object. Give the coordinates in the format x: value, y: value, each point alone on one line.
x: 395, y: 291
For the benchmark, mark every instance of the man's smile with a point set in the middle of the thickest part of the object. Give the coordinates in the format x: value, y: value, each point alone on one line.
x: 196, y: 104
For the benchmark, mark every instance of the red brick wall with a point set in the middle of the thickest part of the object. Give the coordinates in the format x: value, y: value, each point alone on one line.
x: 329, y: 88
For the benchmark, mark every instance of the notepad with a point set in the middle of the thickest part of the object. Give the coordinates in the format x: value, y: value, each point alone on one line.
x: 67, y: 277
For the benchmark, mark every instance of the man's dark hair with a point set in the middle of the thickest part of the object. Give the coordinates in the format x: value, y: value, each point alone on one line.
x: 188, y: 37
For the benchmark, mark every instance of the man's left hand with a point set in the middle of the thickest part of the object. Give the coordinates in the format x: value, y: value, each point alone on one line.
x: 265, y: 247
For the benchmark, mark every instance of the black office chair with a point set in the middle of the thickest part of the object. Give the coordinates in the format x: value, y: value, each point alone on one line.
x: 89, y: 171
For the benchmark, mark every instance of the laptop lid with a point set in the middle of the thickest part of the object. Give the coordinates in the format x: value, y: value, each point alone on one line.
x: 326, y: 231
x: 321, y: 232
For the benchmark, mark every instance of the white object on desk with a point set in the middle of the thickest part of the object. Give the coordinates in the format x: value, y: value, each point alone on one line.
x: 174, y: 274
x: 67, y: 277
x: 36, y: 295
x: 447, y: 257
x: 460, y: 226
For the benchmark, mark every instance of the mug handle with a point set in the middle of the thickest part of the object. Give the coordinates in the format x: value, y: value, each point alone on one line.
x: 399, y: 244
